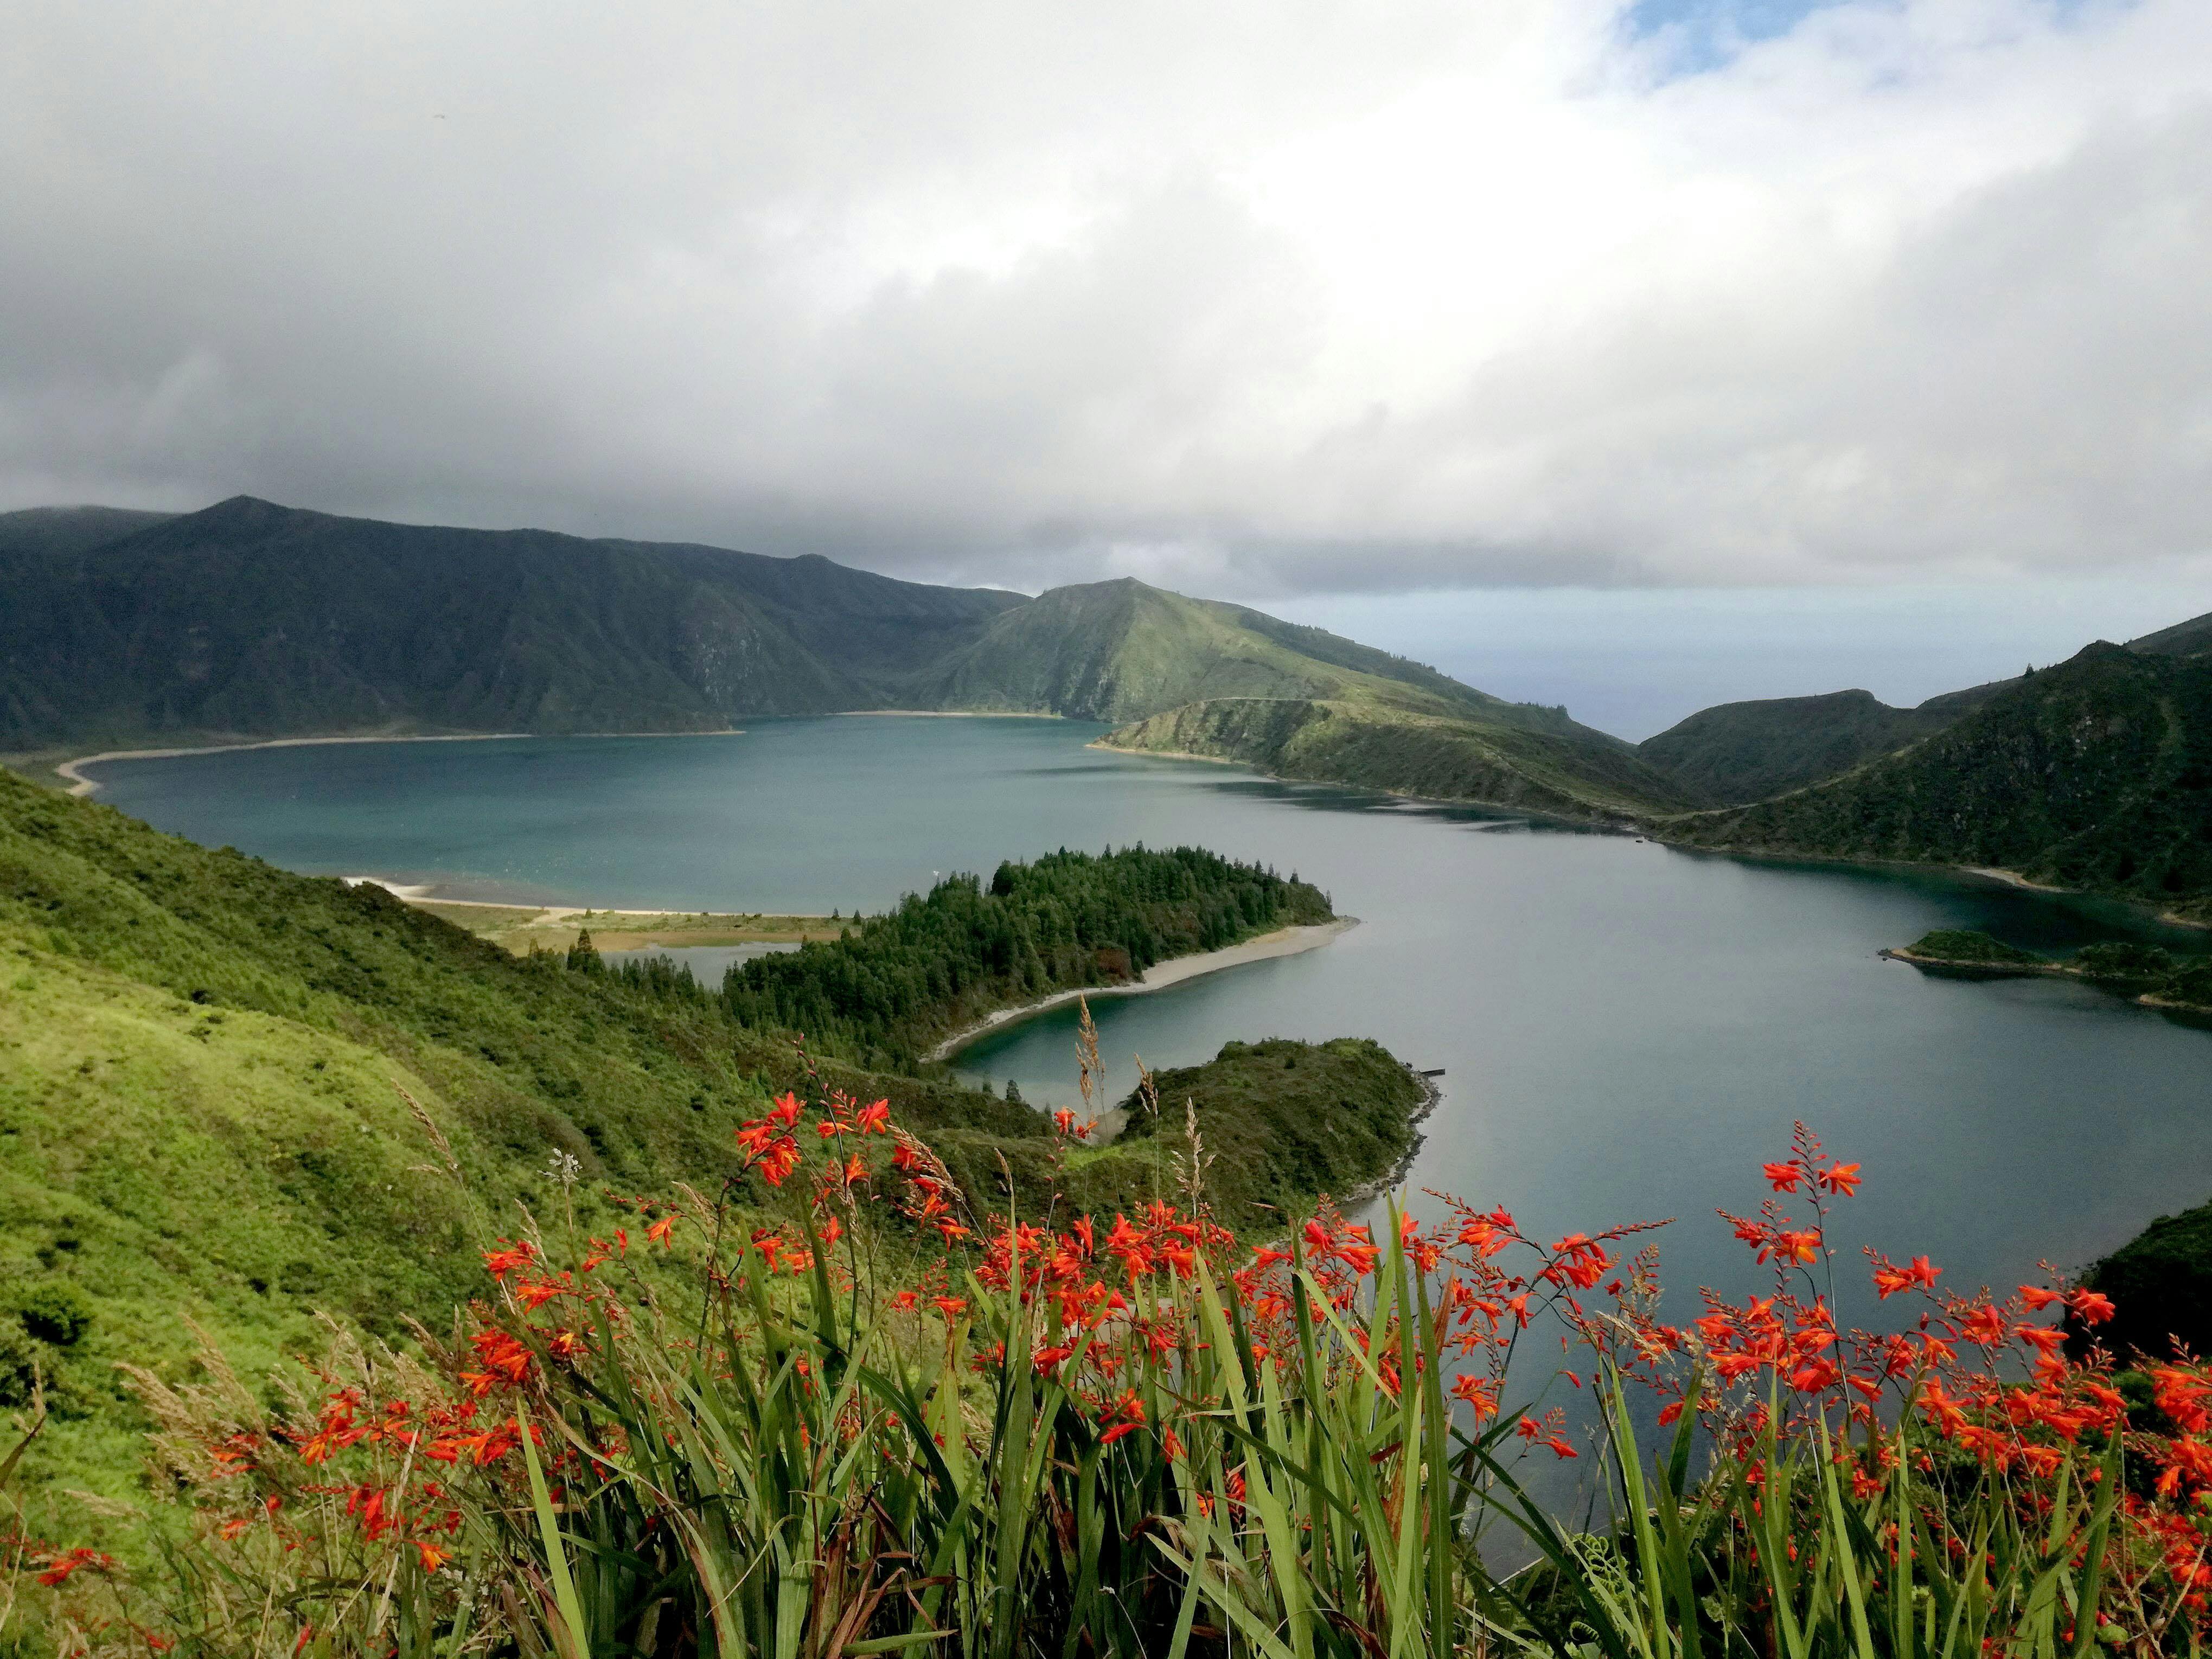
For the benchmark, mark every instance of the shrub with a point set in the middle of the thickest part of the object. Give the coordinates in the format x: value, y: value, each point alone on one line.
x: 56, y: 1312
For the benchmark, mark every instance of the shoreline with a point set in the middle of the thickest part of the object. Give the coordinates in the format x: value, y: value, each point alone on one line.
x: 81, y: 785
x: 1952, y: 968
x: 949, y: 713
x: 1432, y: 1094
x: 1282, y: 942
x: 1984, y: 871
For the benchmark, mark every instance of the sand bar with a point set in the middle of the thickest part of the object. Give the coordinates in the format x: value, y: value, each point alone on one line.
x: 1284, y: 942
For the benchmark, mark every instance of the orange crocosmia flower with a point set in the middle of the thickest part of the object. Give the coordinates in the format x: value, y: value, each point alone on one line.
x: 433, y: 1557
x: 874, y: 1120
x: 518, y: 1253
x: 663, y: 1232
x: 786, y: 1110
x: 1783, y: 1177
x: 2093, y: 1306
x: 1841, y: 1179
x: 951, y: 1307
x: 2039, y: 1298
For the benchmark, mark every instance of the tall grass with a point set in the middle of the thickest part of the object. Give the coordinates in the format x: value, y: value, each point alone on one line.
x: 1066, y: 1437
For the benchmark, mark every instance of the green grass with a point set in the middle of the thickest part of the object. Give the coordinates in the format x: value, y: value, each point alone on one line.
x: 201, y: 1058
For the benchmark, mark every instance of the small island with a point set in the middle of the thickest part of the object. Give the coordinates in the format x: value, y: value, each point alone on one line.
x: 2147, y: 974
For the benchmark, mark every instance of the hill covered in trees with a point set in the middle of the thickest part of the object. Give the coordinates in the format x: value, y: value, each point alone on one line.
x: 2094, y: 775
x: 891, y: 988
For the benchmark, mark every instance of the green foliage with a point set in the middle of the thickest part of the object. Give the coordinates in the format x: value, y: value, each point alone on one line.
x: 1967, y: 944
x: 201, y: 1061
x: 2096, y: 775
x: 943, y: 961
x: 2161, y: 1282
x: 1281, y: 1122
x: 56, y: 1311
x: 2127, y: 964
x: 1739, y: 753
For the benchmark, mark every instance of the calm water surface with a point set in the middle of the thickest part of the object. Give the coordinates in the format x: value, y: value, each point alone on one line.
x: 1626, y: 1030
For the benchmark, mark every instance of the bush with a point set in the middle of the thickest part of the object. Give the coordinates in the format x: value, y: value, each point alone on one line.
x: 56, y: 1312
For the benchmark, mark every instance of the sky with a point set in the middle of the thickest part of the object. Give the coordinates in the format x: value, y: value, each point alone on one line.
x: 1628, y: 353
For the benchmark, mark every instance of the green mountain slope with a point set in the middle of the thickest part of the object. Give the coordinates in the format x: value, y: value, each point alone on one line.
x: 2095, y: 775
x: 201, y: 1061
x: 1738, y: 752
x: 251, y: 618
x: 1122, y: 650
x: 1379, y: 745
x: 2182, y: 640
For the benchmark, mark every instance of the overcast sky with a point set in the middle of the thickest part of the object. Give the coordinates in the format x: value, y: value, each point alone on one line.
x: 1444, y: 318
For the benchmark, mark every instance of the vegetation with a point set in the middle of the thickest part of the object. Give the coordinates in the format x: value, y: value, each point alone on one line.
x: 1438, y: 756
x: 2095, y: 775
x: 1122, y: 650
x: 118, y: 627
x: 1739, y: 753
x: 888, y: 991
x: 236, y: 1100
x: 522, y: 929
x: 2149, y: 973
x: 2161, y: 1282
x: 1140, y: 1440
x: 1965, y: 945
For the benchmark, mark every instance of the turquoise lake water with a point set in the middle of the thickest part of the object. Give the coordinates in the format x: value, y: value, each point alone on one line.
x: 1626, y: 1030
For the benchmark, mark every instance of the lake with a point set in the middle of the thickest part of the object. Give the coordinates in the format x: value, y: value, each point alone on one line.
x: 1626, y: 1030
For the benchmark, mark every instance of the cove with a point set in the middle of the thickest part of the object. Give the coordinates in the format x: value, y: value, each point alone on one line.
x: 1626, y: 1030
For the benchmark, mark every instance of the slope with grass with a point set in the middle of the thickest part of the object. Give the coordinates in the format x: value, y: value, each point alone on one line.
x: 2095, y: 775
x: 202, y: 1061
x: 1435, y: 755
x: 200, y: 1064
x: 1120, y: 650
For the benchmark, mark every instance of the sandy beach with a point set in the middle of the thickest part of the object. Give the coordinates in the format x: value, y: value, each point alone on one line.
x: 81, y: 785
x: 1284, y: 942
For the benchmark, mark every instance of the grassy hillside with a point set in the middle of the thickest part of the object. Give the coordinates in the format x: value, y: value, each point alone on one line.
x: 201, y: 1061
x: 2094, y: 775
x: 1122, y: 650
x: 1438, y: 756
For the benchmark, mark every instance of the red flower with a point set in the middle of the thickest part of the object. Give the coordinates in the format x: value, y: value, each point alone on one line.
x: 1783, y: 1177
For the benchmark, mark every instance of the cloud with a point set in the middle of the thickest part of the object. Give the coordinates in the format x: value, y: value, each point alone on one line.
x: 1250, y: 300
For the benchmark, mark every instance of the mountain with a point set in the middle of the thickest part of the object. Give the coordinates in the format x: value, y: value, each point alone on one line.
x: 1380, y: 744
x: 1738, y: 752
x: 52, y: 533
x: 1122, y: 650
x: 2095, y: 775
x: 249, y: 619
